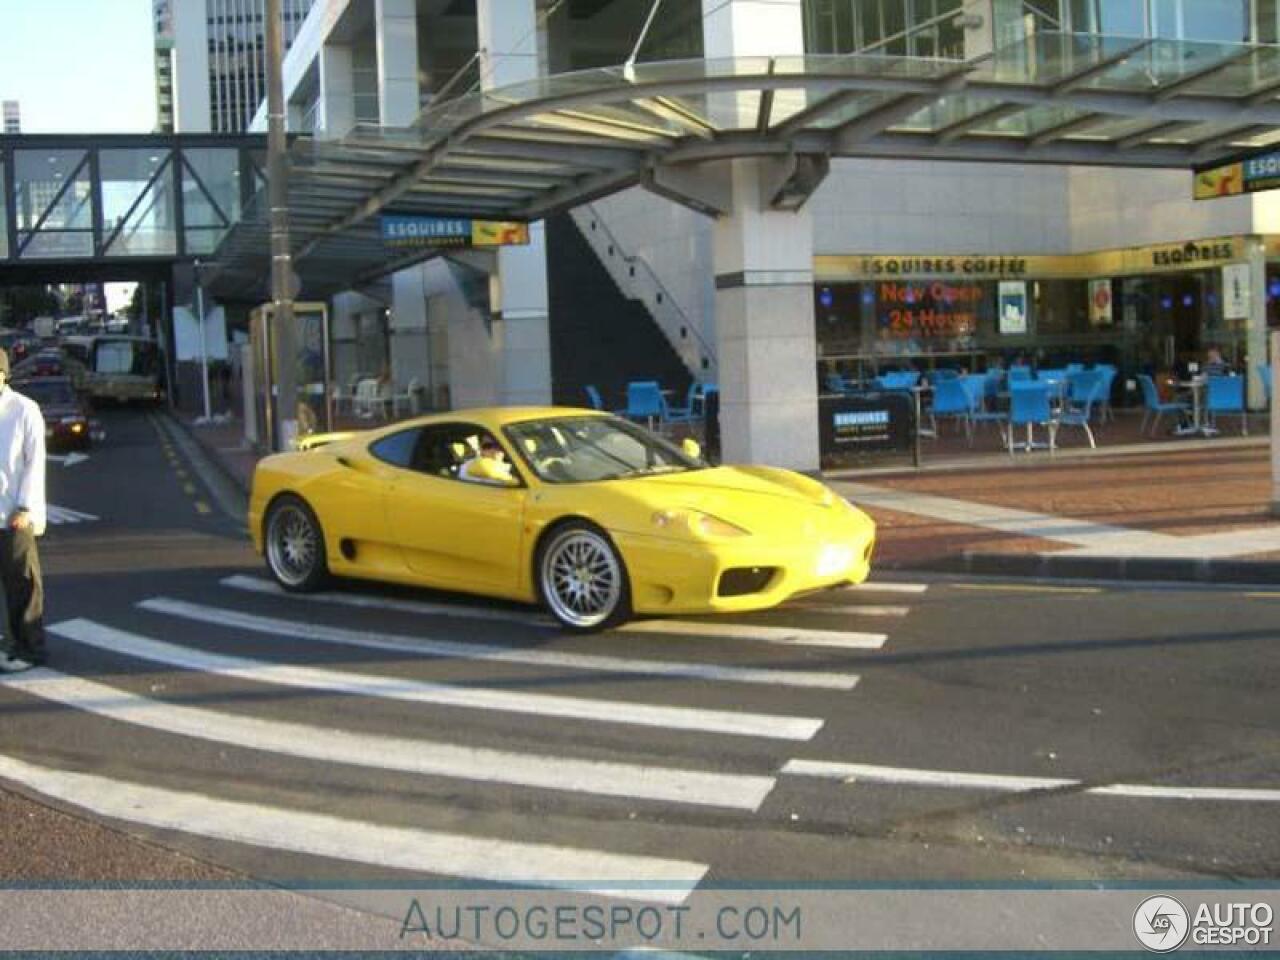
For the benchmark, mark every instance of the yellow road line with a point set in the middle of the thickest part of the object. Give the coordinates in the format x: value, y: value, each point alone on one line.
x: 201, y: 507
x: 1274, y: 595
x: 1024, y: 588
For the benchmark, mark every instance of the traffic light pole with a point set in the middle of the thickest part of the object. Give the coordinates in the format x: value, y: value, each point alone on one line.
x: 284, y: 338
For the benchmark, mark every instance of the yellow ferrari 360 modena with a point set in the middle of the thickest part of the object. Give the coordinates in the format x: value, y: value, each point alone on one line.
x: 586, y: 513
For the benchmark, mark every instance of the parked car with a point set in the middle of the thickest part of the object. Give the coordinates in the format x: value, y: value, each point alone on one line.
x: 51, y: 362
x: 66, y: 419
x: 593, y: 516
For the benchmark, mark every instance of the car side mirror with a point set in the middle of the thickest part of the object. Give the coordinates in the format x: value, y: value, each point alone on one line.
x: 691, y: 448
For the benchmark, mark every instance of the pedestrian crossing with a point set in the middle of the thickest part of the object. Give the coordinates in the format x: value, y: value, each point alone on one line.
x: 274, y: 682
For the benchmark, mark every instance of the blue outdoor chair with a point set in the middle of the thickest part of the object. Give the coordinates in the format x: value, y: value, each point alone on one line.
x: 1086, y: 390
x: 977, y: 385
x: 1108, y: 372
x: 645, y: 402
x: 834, y: 383
x: 1154, y: 405
x: 593, y: 396
x: 1074, y: 368
x: 1029, y: 406
x: 952, y: 399
x: 1264, y: 371
x: 945, y: 373
x: 1019, y: 373
x: 690, y: 411
x: 1226, y: 395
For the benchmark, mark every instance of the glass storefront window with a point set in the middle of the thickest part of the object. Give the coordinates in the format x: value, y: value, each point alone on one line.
x: 1218, y: 21
x: 53, y: 204
x: 4, y: 217
x: 915, y: 28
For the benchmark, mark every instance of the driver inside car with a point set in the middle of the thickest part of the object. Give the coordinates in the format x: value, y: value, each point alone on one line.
x: 488, y: 466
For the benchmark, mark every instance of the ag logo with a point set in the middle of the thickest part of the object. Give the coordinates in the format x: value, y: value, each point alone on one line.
x: 1161, y: 924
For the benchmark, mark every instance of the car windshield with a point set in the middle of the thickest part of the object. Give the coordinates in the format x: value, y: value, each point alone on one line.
x: 48, y: 392
x: 584, y: 449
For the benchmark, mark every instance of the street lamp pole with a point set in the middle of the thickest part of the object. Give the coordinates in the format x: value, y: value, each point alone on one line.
x: 282, y: 276
x: 204, y: 345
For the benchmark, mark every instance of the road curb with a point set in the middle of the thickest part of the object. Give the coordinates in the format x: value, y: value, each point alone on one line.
x: 1148, y: 569
x: 224, y: 487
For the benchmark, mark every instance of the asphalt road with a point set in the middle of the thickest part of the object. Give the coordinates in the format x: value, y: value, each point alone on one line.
x: 376, y: 735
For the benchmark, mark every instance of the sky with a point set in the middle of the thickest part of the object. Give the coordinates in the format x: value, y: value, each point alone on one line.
x: 79, y: 66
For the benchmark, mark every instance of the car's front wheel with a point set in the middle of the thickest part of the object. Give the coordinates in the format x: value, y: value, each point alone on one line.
x: 295, y: 546
x: 582, y: 579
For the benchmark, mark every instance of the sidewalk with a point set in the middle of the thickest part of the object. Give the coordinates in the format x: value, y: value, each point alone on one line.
x: 1179, y: 510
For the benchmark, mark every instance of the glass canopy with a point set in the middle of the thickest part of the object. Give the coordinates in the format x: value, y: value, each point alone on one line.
x: 527, y: 151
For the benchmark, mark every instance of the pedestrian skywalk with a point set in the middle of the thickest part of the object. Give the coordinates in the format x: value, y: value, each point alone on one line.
x: 437, y: 738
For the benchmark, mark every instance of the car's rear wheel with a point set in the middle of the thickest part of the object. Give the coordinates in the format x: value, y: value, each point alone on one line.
x: 295, y: 546
x: 582, y: 579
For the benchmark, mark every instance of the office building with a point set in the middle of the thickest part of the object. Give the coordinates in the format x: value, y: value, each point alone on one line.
x: 211, y: 61
x: 12, y: 117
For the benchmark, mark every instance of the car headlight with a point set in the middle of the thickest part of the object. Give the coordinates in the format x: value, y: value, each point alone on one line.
x: 697, y: 523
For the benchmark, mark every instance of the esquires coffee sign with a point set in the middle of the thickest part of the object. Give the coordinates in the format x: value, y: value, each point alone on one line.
x: 944, y: 266
x: 923, y: 311
x: 1127, y: 261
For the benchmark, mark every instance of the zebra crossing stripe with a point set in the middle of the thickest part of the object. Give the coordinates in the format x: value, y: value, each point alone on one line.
x: 786, y: 636
x: 770, y: 726
x: 885, y: 586
x: 398, y: 848
x: 633, y: 781
x: 856, y: 609
x: 871, y: 773
x: 366, y: 602
x: 372, y: 640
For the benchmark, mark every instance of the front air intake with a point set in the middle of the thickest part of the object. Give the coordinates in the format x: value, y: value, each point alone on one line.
x: 741, y: 581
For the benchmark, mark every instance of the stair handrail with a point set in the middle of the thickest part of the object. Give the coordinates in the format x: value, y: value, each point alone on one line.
x: 632, y: 259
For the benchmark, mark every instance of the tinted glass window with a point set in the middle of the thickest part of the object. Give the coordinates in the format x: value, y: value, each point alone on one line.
x: 396, y: 449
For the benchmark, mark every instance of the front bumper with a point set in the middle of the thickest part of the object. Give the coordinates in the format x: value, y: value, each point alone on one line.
x: 675, y: 576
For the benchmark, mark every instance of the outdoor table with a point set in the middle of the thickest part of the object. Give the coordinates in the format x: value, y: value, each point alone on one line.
x: 1196, y: 387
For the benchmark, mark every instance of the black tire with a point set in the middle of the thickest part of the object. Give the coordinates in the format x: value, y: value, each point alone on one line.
x: 293, y: 544
x: 581, y: 577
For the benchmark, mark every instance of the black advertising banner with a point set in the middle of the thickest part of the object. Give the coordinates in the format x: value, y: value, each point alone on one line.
x: 866, y: 423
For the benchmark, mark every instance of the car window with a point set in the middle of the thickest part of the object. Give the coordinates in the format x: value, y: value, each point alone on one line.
x: 586, y: 449
x: 443, y: 449
x: 396, y: 449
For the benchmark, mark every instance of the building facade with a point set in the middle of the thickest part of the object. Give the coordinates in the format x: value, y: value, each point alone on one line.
x: 896, y: 262
x: 210, y: 61
x: 12, y: 117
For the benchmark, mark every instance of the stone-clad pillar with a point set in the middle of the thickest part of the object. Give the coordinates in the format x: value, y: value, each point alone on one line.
x: 337, y: 92
x: 397, y: 41
x: 507, y: 32
x: 765, y: 334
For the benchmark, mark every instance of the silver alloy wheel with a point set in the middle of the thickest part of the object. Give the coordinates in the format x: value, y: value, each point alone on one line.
x: 581, y: 578
x: 293, y: 544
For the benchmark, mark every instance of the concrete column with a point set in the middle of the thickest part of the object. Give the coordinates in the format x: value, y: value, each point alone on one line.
x: 397, y: 40
x: 979, y: 28
x: 410, y: 342
x: 765, y: 336
x: 519, y: 336
x: 1256, y: 325
x: 337, y: 109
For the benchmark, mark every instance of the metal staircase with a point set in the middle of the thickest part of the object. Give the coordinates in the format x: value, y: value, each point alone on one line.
x: 637, y: 280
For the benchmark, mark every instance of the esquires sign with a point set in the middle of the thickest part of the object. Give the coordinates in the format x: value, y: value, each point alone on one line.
x: 919, y: 310
x: 1128, y: 261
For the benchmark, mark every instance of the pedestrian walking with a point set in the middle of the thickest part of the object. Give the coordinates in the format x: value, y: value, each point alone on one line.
x: 22, y: 508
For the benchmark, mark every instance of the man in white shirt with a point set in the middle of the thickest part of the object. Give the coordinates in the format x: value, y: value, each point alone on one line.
x: 22, y: 512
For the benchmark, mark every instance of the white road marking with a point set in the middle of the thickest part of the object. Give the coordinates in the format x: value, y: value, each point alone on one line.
x: 871, y: 773
x: 372, y: 640
x: 854, y: 609
x: 885, y: 586
x: 853, y: 772
x: 786, y: 636
x: 722, y: 629
x: 366, y: 602
x: 770, y: 726
x: 57, y: 514
x: 634, y: 781
x: 398, y: 848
